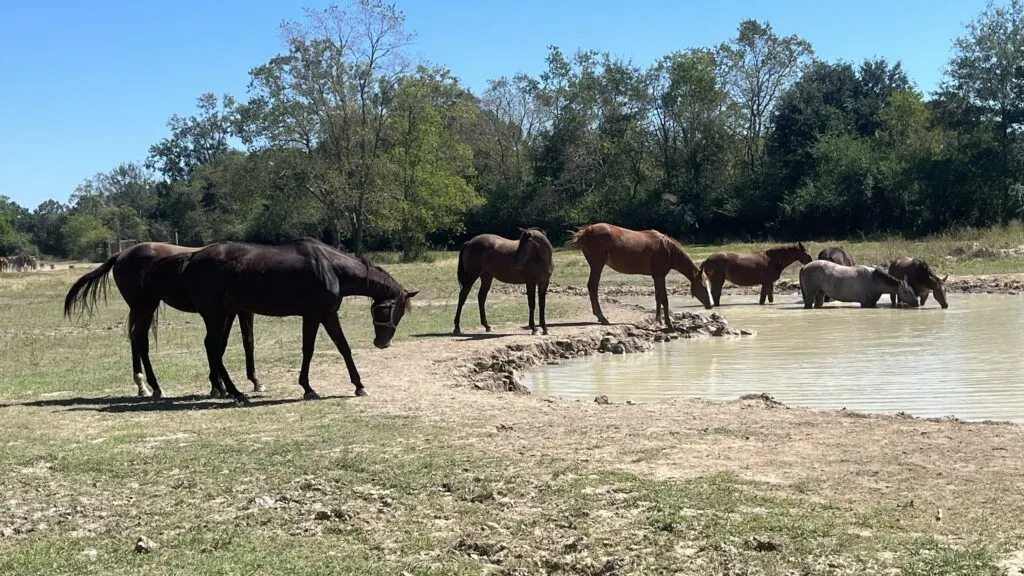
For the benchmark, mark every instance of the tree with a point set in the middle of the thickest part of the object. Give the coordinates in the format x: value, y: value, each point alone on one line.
x: 11, y: 241
x: 986, y: 71
x: 329, y: 96
x: 194, y: 141
x: 431, y: 164
x: 758, y: 65
x: 85, y: 236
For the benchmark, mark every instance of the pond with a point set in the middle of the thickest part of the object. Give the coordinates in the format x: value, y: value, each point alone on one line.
x: 966, y: 361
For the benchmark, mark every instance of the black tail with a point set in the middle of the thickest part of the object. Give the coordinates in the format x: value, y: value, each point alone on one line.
x: 461, y: 271
x: 87, y: 289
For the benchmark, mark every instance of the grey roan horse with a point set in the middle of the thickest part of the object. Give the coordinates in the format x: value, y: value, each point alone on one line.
x: 837, y: 255
x: 526, y: 261
x: 304, y: 278
x: 862, y: 284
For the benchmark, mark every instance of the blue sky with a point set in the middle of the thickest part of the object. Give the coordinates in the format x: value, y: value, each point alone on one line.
x: 86, y: 85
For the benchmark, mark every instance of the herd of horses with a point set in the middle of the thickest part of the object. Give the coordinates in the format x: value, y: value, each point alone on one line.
x: 309, y: 279
x: 18, y: 263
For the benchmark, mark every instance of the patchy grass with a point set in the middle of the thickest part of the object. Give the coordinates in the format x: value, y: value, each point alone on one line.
x: 338, y: 486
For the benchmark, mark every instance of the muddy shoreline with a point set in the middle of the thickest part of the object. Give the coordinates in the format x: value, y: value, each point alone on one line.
x: 1008, y: 284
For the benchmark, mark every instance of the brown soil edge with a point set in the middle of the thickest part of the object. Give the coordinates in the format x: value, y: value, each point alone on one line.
x: 499, y: 369
x: 1009, y: 284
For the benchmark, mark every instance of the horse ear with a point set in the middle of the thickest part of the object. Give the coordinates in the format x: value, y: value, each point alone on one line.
x: 411, y: 294
x: 944, y: 278
x: 522, y: 230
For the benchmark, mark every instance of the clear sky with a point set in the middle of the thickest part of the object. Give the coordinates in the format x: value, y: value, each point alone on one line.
x: 86, y: 85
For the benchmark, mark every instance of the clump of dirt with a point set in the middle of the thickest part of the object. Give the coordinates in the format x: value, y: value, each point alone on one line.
x: 498, y: 369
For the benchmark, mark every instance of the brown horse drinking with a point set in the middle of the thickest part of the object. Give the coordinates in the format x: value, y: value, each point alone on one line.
x: 526, y: 261
x: 143, y: 289
x: 304, y: 278
x: 921, y: 279
x: 752, y: 268
x: 646, y: 252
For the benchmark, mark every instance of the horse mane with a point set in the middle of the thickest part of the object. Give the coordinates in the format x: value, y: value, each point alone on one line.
x: 880, y: 274
x: 781, y: 249
x: 675, y: 247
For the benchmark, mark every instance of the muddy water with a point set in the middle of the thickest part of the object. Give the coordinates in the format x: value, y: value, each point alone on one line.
x: 966, y: 361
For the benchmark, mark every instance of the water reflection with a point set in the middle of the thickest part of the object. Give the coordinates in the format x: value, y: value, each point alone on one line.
x: 966, y: 361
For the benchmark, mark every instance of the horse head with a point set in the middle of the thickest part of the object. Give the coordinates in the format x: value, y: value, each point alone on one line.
x: 700, y: 288
x: 532, y: 242
x: 939, y: 289
x: 905, y: 294
x: 803, y: 254
x: 386, y: 314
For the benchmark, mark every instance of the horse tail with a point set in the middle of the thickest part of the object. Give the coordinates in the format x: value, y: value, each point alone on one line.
x: 461, y: 273
x: 577, y: 236
x: 87, y: 289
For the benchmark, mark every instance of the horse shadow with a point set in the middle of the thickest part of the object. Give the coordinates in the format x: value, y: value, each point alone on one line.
x: 129, y: 404
x: 465, y: 336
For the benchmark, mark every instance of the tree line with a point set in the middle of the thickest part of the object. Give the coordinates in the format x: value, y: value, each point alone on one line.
x: 345, y: 138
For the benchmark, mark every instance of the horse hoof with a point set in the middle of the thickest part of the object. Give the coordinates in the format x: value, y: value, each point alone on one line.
x: 361, y: 391
x: 544, y: 331
x: 488, y: 329
x: 157, y: 394
x: 242, y: 400
x: 457, y: 332
x: 257, y: 387
x: 311, y: 395
x: 215, y: 393
x: 533, y: 331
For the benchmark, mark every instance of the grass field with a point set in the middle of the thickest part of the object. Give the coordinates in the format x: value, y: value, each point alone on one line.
x: 372, y: 486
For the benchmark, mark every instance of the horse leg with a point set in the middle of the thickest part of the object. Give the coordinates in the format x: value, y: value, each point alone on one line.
x: 143, y: 320
x: 531, y: 302
x: 542, y: 293
x: 764, y: 292
x: 463, y: 294
x: 924, y: 298
x: 661, y: 298
x: 481, y: 299
x: 333, y: 327
x: 215, y: 342
x: 217, y: 389
x: 592, y: 284
x: 819, y: 298
x: 140, y: 381
x: 245, y: 324
x: 310, y: 326
x: 892, y: 299
x: 771, y: 293
x: 716, y: 290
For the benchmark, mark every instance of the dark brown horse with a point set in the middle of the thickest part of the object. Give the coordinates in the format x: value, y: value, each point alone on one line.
x: 752, y: 268
x: 143, y: 291
x: 838, y: 255
x: 304, y: 278
x: 921, y: 279
x: 524, y: 261
x: 646, y: 252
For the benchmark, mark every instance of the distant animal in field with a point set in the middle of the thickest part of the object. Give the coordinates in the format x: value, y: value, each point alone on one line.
x: 858, y: 283
x: 921, y: 278
x: 304, y: 278
x: 4, y: 264
x: 646, y: 252
x: 837, y: 255
x: 143, y: 285
x: 528, y: 260
x: 752, y: 268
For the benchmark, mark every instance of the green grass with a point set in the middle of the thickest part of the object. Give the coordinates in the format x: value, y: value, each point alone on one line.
x: 292, y: 487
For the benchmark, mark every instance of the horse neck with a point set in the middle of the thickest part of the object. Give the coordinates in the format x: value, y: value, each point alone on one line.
x: 782, y: 258
x: 380, y: 285
x: 682, y: 263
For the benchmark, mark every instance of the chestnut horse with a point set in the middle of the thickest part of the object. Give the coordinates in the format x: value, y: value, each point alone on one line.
x: 646, y: 252
x: 133, y: 273
x: 921, y: 279
x: 752, y: 268
x: 524, y: 261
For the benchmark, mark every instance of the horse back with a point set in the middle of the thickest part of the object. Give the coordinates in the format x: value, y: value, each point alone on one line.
x: 494, y: 255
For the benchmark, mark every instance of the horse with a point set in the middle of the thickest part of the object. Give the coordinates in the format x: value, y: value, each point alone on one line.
x: 133, y: 270
x: 4, y: 264
x: 646, y: 252
x: 837, y: 255
x: 524, y: 261
x: 857, y: 283
x: 752, y: 268
x: 305, y: 278
x: 922, y: 280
